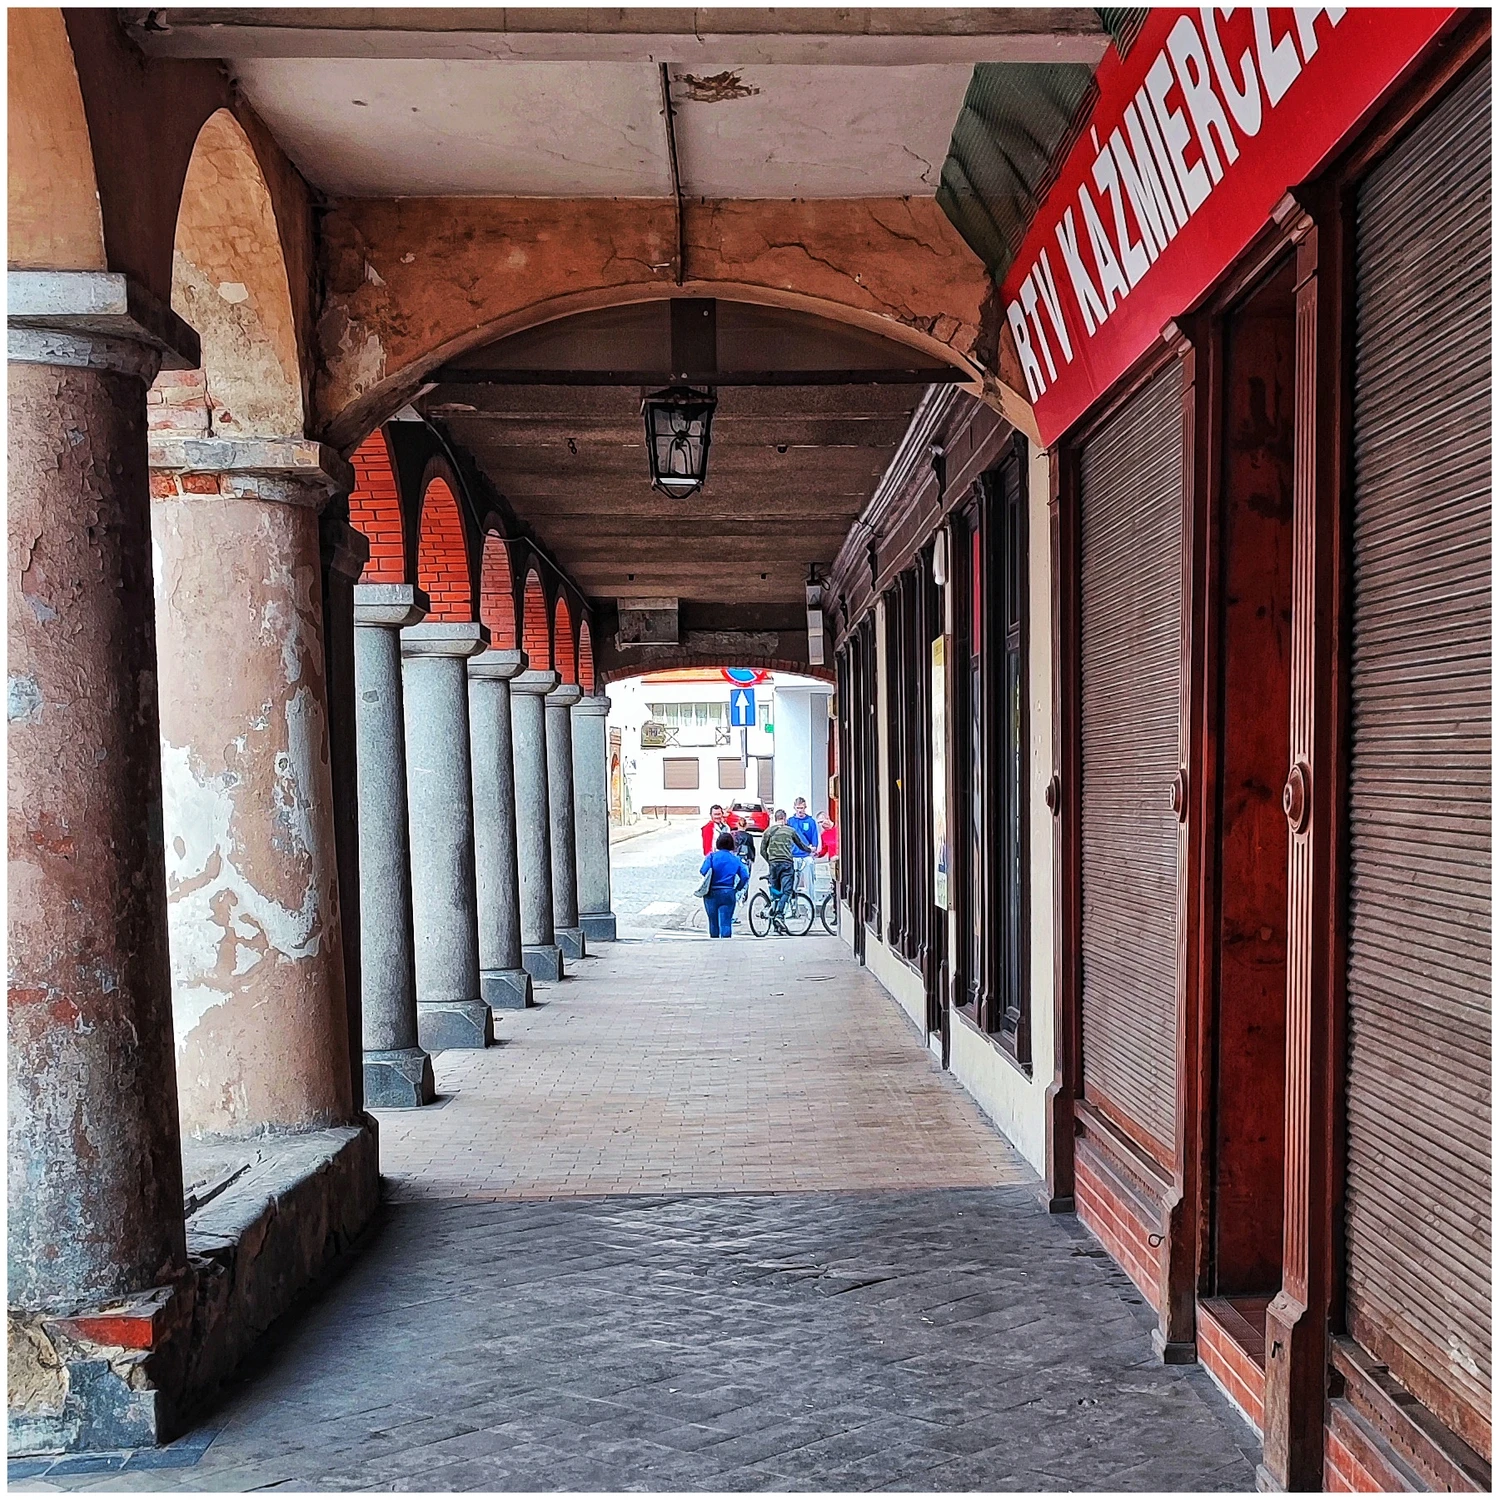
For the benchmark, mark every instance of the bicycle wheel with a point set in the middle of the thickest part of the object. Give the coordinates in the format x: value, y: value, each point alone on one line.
x: 759, y: 914
x: 828, y: 911
x: 798, y: 915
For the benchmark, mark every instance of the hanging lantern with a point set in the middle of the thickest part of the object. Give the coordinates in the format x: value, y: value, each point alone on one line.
x: 677, y: 425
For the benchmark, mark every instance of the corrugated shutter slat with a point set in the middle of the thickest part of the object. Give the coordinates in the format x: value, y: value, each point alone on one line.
x: 1418, y: 1204
x: 1130, y: 647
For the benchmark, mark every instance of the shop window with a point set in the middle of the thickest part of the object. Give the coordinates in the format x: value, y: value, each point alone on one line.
x: 680, y: 774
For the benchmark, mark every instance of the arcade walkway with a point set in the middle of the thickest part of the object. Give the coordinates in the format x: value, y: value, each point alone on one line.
x: 710, y: 1219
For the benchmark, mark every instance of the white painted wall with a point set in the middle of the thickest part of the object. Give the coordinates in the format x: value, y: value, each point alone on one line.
x: 801, y: 745
x: 1014, y: 1101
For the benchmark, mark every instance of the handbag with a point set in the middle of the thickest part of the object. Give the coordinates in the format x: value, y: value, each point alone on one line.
x: 706, y: 886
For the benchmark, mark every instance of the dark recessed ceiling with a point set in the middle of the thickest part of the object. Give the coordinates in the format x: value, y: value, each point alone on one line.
x: 790, y: 468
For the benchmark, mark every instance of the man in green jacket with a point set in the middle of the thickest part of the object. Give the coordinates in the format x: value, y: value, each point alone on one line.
x: 779, y: 847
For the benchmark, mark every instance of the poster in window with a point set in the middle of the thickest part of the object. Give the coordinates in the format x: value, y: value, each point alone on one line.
x: 941, y: 849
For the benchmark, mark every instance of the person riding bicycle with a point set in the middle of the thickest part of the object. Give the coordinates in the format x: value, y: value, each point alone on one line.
x: 779, y: 847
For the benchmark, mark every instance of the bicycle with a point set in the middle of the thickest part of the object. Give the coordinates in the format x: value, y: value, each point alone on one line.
x: 788, y: 914
x: 827, y: 912
x: 825, y: 895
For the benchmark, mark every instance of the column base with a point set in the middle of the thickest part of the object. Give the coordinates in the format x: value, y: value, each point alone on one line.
x: 598, y: 926
x: 98, y: 1379
x: 543, y: 962
x: 506, y: 989
x: 448, y: 1025
x: 572, y: 942
x: 399, y: 1079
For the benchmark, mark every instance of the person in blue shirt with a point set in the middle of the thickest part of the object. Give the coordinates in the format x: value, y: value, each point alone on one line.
x: 806, y: 825
x: 727, y: 874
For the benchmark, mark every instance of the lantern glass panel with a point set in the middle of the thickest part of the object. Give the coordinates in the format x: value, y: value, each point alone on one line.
x: 677, y: 423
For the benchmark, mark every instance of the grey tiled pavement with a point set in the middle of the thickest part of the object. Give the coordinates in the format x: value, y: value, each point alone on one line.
x: 917, y: 1333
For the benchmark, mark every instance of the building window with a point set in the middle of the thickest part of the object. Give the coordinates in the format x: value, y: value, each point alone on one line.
x: 679, y: 774
x: 730, y: 774
x: 690, y: 715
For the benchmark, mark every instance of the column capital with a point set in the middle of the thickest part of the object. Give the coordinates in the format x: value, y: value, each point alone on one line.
x: 392, y: 605
x: 596, y: 704
x: 496, y: 665
x: 536, y: 682
x: 97, y: 320
x: 283, y: 470
x: 565, y: 694
x: 444, y: 638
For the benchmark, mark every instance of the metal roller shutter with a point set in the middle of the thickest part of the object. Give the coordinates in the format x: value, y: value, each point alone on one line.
x: 1130, y: 651
x: 1418, y: 1215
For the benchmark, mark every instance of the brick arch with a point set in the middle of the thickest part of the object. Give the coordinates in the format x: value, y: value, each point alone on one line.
x: 375, y: 510
x: 669, y: 660
x: 497, y: 593
x: 586, y: 678
x: 536, y: 636
x: 564, y: 651
x: 442, y: 568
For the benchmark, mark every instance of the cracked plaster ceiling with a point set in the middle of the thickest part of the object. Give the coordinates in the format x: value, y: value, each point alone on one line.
x: 402, y: 127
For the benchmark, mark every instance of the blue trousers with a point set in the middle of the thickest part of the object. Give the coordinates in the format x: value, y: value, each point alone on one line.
x: 720, y: 908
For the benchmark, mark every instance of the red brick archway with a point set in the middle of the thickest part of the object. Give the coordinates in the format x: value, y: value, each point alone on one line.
x: 375, y: 510
x: 497, y: 593
x: 562, y: 637
x: 537, y: 640
x: 585, y: 658
x: 442, y: 555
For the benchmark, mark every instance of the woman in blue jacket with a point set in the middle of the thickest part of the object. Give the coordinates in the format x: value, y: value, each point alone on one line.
x: 726, y: 873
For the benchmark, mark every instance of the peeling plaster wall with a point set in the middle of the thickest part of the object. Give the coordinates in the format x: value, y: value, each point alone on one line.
x: 95, y: 1173
x: 257, y: 965
x: 413, y: 281
x: 229, y: 282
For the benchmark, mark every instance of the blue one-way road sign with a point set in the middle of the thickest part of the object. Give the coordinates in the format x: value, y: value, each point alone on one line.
x: 742, y: 708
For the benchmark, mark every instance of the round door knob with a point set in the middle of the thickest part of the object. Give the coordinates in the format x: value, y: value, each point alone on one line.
x: 1296, y: 798
x: 1179, y: 796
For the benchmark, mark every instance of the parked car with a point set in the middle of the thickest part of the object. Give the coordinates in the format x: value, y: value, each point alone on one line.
x: 753, y: 813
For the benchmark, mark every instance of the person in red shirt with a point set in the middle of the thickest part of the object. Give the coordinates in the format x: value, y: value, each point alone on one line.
x: 827, y: 846
x: 715, y: 825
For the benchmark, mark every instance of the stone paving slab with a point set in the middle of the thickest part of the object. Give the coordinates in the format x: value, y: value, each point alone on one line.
x: 747, y: 1066
x: 570, y: 1289
x: 812, y: 1341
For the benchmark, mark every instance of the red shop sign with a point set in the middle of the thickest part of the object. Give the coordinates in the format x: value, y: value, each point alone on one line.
x: 1195, y: 137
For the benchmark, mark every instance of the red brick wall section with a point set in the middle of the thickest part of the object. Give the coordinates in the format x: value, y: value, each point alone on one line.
x: 1232, y: 1368
x: 1119, y: 1229
x: 1356, y: 1459
x: 442, y: 556
x: 537, y: 642
x: 562, y: 635
x: 375, y: 510
x: 585, y: 658
x: 497, y: 594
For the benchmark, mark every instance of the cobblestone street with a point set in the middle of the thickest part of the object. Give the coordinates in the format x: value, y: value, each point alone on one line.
x: 710, y: 1218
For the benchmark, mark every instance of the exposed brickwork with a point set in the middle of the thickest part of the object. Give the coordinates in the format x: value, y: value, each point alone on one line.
x: 178, y: 402
x: 442, y: 555
x: 1119, y: 1228
x: 537, y: 642
x: 562, y: 635
x: 585, y: 657
x: 375, y: 509
x: 497, y: 593
x: 1232, y: 1367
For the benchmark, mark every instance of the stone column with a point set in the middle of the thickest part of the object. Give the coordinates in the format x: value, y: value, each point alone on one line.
x: 95, y: 1174
x: 258, y: 995
x: 564, y: 830
x: 397, y: 1072
x: 533, y: 824
x: 591, y: 805
x: 450, y: 1010
x: 345, y: 552
x: 503, y: 980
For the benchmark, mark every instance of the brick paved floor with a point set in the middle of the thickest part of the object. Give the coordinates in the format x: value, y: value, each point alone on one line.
x: 712, y: 1219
